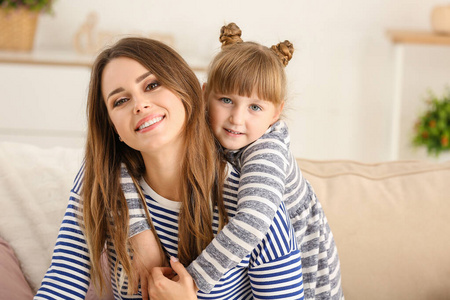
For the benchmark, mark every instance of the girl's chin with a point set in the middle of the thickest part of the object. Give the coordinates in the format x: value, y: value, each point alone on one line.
x: 232, y: 147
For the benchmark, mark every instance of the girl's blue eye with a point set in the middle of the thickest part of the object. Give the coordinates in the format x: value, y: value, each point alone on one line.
x: 255, y: 107
x: 120, y: 101
x: 226, y: 100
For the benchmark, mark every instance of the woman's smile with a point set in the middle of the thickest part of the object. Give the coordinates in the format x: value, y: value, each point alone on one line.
x: 148, y: 122
x: 139, y: 104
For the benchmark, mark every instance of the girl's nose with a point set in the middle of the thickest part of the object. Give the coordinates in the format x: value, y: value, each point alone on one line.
x: 237, y: 117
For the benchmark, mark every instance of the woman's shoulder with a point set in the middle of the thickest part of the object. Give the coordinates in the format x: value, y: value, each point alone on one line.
x: 279, y: 240
x: 78, y: 181
x: 232, y: 173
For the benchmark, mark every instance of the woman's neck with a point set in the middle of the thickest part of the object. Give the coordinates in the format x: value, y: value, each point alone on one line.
x: 163, y: 173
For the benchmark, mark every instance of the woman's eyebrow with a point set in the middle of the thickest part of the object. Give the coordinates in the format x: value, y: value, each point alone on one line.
x: 118, y: 90
x: 139, y: 79
x: 143, y: 76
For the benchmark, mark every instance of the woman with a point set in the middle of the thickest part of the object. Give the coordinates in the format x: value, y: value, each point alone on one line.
x: 147, y: 124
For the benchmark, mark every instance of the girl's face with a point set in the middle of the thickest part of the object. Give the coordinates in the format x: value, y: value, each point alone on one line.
x: 147, y: 116
x: 237, y: 121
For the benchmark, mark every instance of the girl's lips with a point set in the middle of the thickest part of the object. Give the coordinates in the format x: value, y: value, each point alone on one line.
x: 148, y: 121
x: 233, y: 132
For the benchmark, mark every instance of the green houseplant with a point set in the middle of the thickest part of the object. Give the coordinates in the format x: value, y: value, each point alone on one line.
x: 432, y: 129
x: 32, y: 5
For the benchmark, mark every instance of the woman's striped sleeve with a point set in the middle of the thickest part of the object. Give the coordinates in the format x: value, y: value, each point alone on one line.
x: 68, y: 275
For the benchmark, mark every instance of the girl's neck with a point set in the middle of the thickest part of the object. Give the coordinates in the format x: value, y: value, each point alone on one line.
x: 163, y: 173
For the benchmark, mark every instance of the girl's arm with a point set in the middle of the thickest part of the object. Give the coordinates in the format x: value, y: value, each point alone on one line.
x: 147, y: 251
x: 147, y: 254
x: 138, y: 220
x: 260, y: 192
x: 274, y: 269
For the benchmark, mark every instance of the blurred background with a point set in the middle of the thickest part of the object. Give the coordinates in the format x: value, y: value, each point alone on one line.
x: 354, y: 93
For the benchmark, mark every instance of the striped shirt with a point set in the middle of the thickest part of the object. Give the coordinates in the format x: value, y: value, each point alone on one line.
x: 269, y: 176
x: 271, y: 270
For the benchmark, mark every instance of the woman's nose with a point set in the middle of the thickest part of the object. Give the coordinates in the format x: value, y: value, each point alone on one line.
x: 140, y: 105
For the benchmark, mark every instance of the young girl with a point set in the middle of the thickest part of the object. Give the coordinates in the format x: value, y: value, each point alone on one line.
x: 245, y: 91
x: 144, y: 109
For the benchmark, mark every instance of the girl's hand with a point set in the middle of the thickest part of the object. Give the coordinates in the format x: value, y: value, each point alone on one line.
x: 181, y: 286
x: 147, y: 255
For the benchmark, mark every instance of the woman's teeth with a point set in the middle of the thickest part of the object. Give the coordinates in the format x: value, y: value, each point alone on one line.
x: 150, y: 123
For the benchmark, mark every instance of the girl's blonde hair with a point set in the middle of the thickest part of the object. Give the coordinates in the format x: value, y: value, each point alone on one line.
x: 246, y: 67
x: 105, y: 210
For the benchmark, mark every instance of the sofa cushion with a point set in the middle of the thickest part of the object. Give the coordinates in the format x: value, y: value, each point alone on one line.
x: 34, y: 189
x: 391, y: 225
x: 12, y: 282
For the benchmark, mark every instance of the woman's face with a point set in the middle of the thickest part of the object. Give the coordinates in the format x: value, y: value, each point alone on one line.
x: 147, y: 116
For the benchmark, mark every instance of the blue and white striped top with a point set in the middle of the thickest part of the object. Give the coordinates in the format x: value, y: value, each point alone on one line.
x: 269, y: 176
x: 272, y: 270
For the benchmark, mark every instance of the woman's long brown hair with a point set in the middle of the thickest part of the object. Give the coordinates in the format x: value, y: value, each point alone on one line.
x: 105, y: 211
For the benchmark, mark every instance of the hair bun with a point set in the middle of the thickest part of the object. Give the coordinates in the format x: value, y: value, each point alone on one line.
x: 284, y: 51
x: 230, y: 34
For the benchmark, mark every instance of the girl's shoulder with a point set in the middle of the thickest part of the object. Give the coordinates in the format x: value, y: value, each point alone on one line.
x: 272, y: 146
x: 275, y: 141
x: 278, y: 130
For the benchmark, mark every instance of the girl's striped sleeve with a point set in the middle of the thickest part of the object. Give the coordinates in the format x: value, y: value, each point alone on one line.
x: 260, y: 191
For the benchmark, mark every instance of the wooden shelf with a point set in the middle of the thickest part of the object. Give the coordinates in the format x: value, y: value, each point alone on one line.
x: 48, y: 58
x: 418, y: 37
x: 66, y: 58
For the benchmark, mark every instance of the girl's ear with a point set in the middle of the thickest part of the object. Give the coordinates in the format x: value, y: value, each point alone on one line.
x: 278, y: 112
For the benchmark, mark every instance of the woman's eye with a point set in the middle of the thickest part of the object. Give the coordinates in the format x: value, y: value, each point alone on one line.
x: 120, y: 101
x: 226, y: 100
x: 255, y: 107
x: 152, y: 86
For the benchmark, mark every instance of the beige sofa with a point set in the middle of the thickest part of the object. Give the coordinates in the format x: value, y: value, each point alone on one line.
x: 391, y: 221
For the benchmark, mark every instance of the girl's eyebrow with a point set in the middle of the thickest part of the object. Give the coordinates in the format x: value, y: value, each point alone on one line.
x: 258, y: 100
x: 139, y: 79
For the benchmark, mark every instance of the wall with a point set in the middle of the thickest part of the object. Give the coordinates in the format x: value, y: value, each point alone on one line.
x: 425, y: 67
x: 341, y: 76
x: 43, y: 105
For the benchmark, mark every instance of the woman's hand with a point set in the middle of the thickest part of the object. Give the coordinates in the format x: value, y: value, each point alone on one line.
x: 181, y: 286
